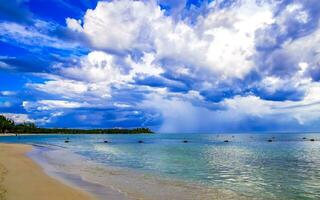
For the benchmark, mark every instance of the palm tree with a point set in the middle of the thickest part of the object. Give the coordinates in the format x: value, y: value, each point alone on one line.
x: 6, y: 124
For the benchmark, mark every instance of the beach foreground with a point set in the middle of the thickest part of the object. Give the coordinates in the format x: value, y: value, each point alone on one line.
x: 164, y: 167
x: 21, y: 178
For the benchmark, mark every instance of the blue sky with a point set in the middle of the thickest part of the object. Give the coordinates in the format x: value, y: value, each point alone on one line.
x: 173, y: 66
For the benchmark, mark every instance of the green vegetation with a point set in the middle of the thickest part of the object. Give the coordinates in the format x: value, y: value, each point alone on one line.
x: 8, y: 126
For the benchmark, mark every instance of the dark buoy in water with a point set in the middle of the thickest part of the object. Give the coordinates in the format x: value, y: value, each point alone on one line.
x: 140, y: 141
x: 66, y: 141
x: 312, y: 140
x: 304, y: 138
x: 106, y: 141
x: 233, y: 136
x: 185, y: 141
x: 226, y: 141
x: 270, y: 140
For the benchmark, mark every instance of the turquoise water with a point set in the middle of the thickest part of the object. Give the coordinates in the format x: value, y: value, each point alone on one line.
x: 287, y: 168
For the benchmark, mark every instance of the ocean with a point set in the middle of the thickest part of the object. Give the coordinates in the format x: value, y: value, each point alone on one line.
x: 183, y: 166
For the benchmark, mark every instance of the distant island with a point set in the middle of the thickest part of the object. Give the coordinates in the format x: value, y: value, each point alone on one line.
x: 9, y: 126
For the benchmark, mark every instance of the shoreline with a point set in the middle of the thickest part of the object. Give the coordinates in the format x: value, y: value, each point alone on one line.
x: 105, y: 182
x: 117, y: 183
x: 23, y: 179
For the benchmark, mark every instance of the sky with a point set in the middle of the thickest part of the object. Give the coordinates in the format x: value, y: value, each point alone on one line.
x: 170, y: 65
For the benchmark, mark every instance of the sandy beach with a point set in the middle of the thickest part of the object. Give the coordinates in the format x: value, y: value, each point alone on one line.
x: 22, y: 179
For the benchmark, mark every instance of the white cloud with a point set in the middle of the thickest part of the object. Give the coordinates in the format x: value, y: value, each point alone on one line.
x: 93, y: 76
x: 179, y: 114
x: 44, y: 105
x: 5, y: 104
x: 4, y: 65
x: 146, y: 66
x: 249, y: 105
x: 121, y: 105
x: 222, y: 42
x: 294, y: 11
x: 118, y: 25
x: 74, y: 25
x: 307, y: 109
x: 94, y: 68
x: 65, y: 88
x: 134, y: 40
x: 30, y: 36
x: 48, y: 119
x: 305, y: 49
x: 293, y: 67
x: 18, y: 118
x: 233, y: 34
x: 7, y: 93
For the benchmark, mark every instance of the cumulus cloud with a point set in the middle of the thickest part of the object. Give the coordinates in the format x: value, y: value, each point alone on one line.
x: 236, y: 66
x: 287, y: 55
x: 126, y: 23
x: 222, y: 42
x: 92, y: 76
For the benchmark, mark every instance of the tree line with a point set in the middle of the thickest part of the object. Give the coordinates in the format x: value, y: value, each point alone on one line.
x: 9, y: 126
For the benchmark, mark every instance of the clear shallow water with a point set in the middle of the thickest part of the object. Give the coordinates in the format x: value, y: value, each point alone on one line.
x: 288, y: 168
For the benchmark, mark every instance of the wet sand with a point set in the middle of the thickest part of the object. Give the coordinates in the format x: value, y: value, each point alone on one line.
x: 22, y: 179
x: 124, y: 183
